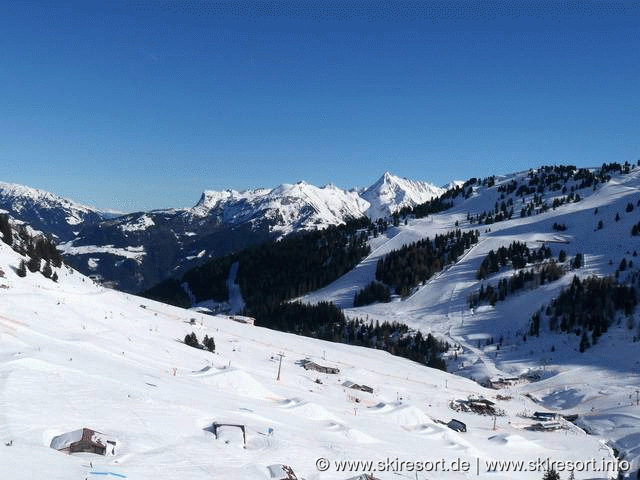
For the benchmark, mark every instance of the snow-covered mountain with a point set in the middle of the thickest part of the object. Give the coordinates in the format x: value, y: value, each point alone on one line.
x: 303, y: 206
x: 286, y: 208
x: 391, y: 193
x: 135, y: 251
x: 45, y: 211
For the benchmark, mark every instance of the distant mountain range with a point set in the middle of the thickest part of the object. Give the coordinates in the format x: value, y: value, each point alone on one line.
x: 137, y: 250
x: 45, y: 211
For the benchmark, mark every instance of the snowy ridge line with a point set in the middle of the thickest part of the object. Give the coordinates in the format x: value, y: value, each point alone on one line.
x: 330, y: 205
x: 23, y: 192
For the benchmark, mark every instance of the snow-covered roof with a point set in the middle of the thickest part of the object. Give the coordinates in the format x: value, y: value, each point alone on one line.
x: 65, y: 440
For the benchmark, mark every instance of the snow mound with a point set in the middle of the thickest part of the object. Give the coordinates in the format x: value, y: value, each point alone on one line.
x: 310, y: 410
x: 516, y: 442
x: 238, y: 382
x: 408, y: 416
x: 351, y: 434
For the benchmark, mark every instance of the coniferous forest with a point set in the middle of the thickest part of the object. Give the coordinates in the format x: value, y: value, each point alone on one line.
x: 413, y: 264
x: 325, y: 321
x: 587, y: 308
x: 301, y: 263
x: 209, y: 281
x: 524, y: 279
x: 37, y: 247
x: 374, y: 292
x: 169, y: 291
x: 274, y: 271
x: 5, y: 230
x: 517, y: 254
x: 430, y: 207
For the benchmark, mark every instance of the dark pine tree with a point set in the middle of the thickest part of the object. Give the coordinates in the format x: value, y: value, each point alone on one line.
x: 209, y: 344
x: 192, y: 340
x: 584, y: 342
x: 577, y: 261
x: 46, y: 271
x: 34, y: 263
x: 22, y: 269
x: 5, y: 229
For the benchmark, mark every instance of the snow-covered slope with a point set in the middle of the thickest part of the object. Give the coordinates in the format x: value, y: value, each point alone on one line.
x: 74, y: 355
x: 600, y: 384
x: 47, y: 212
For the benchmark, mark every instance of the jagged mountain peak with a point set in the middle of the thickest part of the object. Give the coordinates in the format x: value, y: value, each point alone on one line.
x: 391, y: 193
x: 387, y: 176
x: 329, y: 203
x: 287, y: 207
x: 210, y: 199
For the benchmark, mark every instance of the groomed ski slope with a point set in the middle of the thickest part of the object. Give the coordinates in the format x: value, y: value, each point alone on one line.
x: 75, y: 355
x: 600, y: 384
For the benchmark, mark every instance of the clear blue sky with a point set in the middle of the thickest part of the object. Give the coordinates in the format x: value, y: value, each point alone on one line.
x: 143, y: 104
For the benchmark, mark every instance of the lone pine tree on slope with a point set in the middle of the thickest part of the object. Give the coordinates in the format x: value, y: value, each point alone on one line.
x: 551, y: 475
